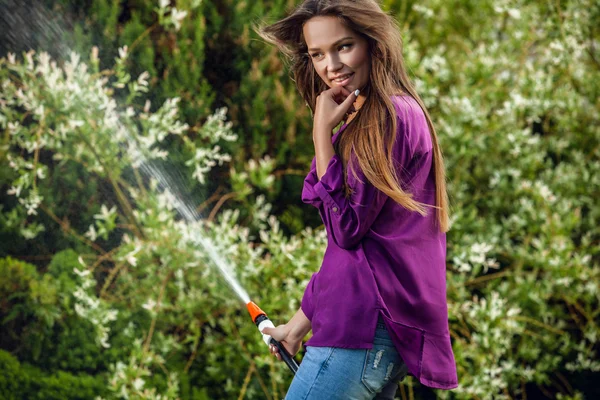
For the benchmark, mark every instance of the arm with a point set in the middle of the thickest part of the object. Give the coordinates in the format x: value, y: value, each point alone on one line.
x: 323, y: 151
x: 290, y: 334
x: 299, y: 325
x: 346, y: 220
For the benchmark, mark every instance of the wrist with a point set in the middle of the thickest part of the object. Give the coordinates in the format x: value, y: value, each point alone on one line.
x: 298, y: 326
x: 295, y: 334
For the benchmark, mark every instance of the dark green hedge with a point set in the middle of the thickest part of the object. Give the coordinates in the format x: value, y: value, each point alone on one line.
x: 23, y: 381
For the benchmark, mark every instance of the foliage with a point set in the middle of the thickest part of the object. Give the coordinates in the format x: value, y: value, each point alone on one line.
x: 136, y: 299
x: 22, y: 381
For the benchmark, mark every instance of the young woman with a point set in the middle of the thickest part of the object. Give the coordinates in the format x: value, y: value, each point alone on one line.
x: 377, y: 307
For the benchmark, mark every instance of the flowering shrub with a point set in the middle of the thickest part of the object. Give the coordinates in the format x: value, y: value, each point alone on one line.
x: 513, y: 96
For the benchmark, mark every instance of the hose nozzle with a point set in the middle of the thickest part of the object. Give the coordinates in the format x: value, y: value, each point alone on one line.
x: 259, y: 317
x: 254, y: 311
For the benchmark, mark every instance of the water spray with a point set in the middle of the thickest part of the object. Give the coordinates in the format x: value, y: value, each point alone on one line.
x: 259, y: 317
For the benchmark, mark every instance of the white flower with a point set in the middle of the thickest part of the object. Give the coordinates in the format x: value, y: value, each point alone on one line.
x: 75, y: 123
x: 81, y: 272
x: 123, y: 52
x: 105, y: 213
x: 14, y: 191
x: 91, y: 233
x: 103, y: 333
x: 138, y: 384
x: 29, y: 233
x: 131, y: 259
x: 143, y: 78
x: 111, y: 315
x: 13, y: 127
x: 546, y: 193
x: 40, y: 172
x: 163, y: 3
x: 31, y: 204
x: 177, y: 16
x: 149, y: 305
x: 514, y: 13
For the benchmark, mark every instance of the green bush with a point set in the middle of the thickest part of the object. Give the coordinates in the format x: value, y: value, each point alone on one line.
x: 512, y: 94
x: 23, y: 381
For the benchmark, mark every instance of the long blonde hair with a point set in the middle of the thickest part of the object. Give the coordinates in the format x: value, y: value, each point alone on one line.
x: 388, y: 77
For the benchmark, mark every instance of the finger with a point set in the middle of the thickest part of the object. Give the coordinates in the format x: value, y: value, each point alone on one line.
x: 271, y: 332
x: 274, y: 349
x: 266, y: 331
x: 339, y: 94
x: 340, y: 90
x: 276, y: 333
x: 349, y: 100
x: 345, y: 91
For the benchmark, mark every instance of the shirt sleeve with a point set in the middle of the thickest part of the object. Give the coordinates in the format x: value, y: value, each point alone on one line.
x: 348, y: 219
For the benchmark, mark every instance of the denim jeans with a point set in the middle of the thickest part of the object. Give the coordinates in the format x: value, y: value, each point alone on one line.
x: 331, y: 373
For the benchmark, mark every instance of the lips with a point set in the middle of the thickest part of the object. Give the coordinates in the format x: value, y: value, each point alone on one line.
x: 343, y: 79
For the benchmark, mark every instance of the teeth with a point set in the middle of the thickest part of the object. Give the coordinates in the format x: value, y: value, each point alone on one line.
x: 342, y: 78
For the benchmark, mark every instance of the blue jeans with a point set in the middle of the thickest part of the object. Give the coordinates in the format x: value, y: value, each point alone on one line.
x: 331, y: 373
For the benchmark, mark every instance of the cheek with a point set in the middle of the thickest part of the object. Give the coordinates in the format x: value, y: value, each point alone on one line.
x: 361, y: 60
x: 321, y: 72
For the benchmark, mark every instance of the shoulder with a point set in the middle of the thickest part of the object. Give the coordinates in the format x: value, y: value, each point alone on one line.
x: 408, y: 109
x: 412, y: 122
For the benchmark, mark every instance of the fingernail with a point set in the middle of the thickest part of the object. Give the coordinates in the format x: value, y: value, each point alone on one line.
x: 356, y: 92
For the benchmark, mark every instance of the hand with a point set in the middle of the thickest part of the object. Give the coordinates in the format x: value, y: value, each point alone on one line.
x: 332, y: 105
x: 282, y: 334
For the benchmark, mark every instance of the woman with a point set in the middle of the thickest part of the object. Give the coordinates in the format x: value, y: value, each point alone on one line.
x: 377, y: 307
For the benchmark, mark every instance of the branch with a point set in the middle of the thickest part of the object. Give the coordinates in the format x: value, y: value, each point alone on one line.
x: 222, y: 200
x: 65, y: 227
x: 153, y: 323
x: 212, y: 198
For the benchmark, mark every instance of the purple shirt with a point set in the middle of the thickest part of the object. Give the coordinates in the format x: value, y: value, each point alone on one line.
x: 382, y: 258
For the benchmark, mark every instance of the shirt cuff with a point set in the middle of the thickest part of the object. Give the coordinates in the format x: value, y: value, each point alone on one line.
x: 309, y: 196
x: 331, y: 185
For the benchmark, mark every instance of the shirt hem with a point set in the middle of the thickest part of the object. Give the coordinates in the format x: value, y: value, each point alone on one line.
x: 341, y: 346
x: 438, y: 385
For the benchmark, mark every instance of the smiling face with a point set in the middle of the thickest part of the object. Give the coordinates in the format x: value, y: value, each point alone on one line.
x: 337, y: 51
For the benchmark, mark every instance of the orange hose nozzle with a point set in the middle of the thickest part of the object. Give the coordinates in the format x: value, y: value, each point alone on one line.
x: 254, y: 310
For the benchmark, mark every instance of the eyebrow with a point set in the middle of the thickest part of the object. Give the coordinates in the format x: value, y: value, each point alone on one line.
x: 341, y: 40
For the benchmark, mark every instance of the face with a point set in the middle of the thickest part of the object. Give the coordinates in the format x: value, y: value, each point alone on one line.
x: 336, y: 51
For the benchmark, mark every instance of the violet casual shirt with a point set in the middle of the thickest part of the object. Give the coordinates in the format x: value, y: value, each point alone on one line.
x: 382, y: 258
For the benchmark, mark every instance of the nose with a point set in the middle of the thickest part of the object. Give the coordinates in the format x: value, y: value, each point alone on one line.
x: 334, y: 63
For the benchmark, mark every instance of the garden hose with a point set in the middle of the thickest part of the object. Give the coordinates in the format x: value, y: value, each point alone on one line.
x: 259, y: 317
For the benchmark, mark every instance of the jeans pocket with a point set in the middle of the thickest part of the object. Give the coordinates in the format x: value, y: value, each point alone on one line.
x: 382, y: 363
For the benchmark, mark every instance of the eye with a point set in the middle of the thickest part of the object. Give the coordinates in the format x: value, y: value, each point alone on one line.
x: 315, y: 55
